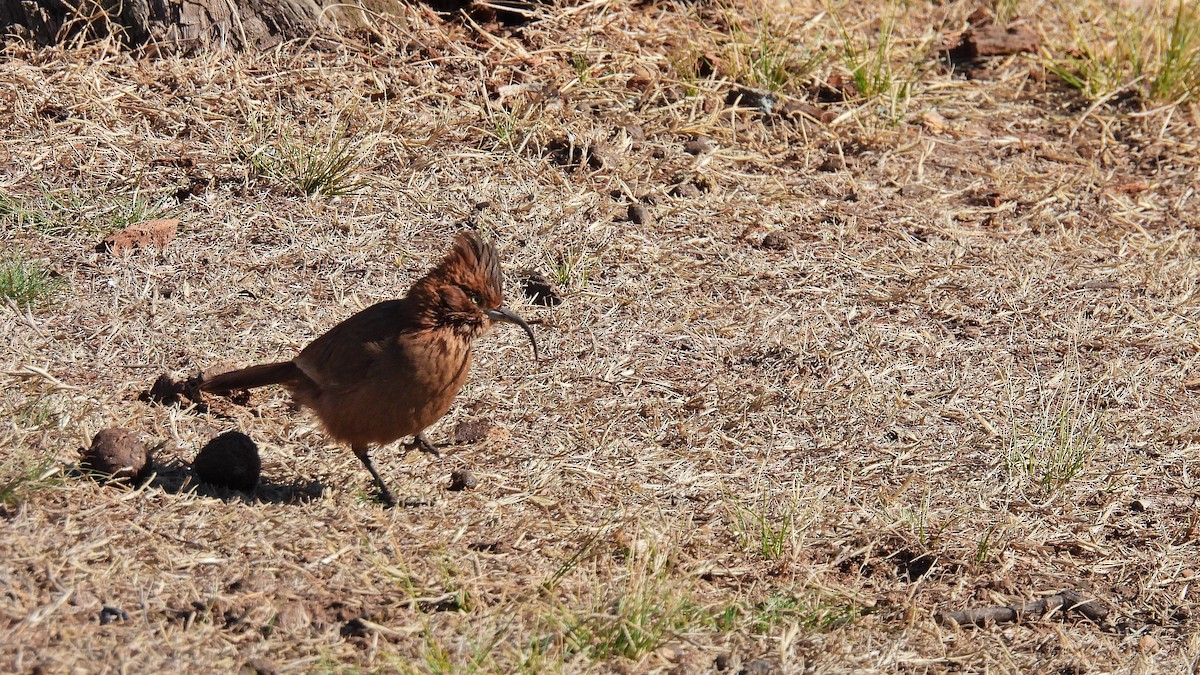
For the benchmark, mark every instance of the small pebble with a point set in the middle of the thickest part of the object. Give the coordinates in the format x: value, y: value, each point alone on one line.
x: 462, y: 479
x: 776, y: 241
x: 640, y: 215
x: 540, y: 290
x: 148, y: 234
x: 109, y: 614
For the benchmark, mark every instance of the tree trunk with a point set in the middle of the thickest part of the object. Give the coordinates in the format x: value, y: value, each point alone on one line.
x: 177, y: 25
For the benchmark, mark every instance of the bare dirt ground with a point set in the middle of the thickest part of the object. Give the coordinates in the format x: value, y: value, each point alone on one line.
x: 867, y: 360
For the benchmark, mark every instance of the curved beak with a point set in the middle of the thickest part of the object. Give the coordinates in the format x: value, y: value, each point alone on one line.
x: 508, y: 316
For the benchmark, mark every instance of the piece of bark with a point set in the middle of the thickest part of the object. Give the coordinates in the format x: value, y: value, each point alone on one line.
x: 189, y: 25
x: 147, y: 234
x: 993, y: 40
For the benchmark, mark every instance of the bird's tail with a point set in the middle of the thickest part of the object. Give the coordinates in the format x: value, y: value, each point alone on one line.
x: 283, y: 372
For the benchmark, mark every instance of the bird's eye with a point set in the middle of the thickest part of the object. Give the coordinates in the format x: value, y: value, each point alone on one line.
x: 475, y: 298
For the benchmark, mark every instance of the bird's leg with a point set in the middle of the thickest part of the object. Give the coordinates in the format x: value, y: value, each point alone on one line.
x: 385, y: 494
x: 424, y: 445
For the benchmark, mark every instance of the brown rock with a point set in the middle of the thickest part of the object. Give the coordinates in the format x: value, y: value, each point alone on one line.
x: 151, y: 233
x: 230, y: 460
x: 117, y: 454
x: 1003, y: 40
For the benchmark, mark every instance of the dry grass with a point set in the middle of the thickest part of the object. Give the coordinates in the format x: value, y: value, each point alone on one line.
x: 734, y: 453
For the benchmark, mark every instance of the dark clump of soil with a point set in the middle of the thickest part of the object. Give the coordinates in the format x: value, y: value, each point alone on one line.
x: 230, y: 460
x: 471, y: 431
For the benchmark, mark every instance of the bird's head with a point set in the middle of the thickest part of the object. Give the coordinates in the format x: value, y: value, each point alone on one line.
x: 466, y: 290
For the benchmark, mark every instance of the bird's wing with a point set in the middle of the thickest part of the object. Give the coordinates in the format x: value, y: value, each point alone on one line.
x: 348, y: 353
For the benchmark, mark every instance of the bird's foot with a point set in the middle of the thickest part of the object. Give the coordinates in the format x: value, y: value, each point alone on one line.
x: 424, y: 445
x: 385, y: 496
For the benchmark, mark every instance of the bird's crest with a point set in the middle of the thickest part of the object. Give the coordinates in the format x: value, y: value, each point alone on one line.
x: 473, y: 265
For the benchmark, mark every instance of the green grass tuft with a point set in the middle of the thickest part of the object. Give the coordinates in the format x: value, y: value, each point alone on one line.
x: 27, y: 283
x: 19, y: 482
x: 651, y: 606
x: 1153, y: 51
x: 314, y: 168
x: 809, y: 610
x: 1051, y: 450
x: 881, y: 69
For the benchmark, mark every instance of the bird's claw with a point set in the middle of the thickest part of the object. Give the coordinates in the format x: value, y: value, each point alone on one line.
x: 425, y: 446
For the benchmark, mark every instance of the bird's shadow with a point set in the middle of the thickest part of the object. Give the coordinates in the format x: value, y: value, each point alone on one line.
x: 176, y: 477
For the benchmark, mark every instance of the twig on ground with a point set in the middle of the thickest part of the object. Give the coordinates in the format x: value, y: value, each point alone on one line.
x: 1067, y: 601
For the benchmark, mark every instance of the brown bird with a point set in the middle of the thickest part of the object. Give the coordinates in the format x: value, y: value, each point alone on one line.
x: 394, y: 368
